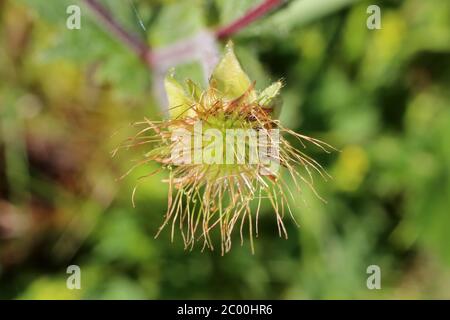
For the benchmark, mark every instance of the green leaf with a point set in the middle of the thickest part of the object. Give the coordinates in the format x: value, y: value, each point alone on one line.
x: 231, y: 10
x: 297, y: 14
x: 177, y: 21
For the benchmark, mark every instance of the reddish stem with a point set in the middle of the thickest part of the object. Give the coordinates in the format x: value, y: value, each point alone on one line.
x: 142, y: 50
x: 249, y: 17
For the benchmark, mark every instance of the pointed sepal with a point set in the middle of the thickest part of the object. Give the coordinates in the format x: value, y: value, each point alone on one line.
x: 228, y: 77
x: 269, y: 98
x: 179, y: 101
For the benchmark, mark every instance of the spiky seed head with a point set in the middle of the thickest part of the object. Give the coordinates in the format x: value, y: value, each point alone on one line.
x: 206, y: 191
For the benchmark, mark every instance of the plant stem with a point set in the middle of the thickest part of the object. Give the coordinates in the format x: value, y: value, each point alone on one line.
x: 144, y: 52
x: 139, y: 47
x: 249, y: 17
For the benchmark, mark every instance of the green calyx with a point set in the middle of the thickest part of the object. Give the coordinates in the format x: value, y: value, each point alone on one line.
x: 228, y: 82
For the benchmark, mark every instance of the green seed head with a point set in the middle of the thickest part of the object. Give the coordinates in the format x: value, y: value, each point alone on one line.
x: 214, y: 178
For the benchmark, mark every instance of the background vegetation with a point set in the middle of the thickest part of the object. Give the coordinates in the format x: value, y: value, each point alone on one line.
x: 380, y: 96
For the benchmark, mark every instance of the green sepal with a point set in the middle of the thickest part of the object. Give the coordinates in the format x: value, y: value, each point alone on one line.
x: 194, y: 91
x: 179, y: 101
x: 228, y: 77
x: 269, y: 98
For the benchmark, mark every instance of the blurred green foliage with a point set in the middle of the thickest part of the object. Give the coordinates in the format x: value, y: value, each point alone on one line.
x: 67, y: 98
